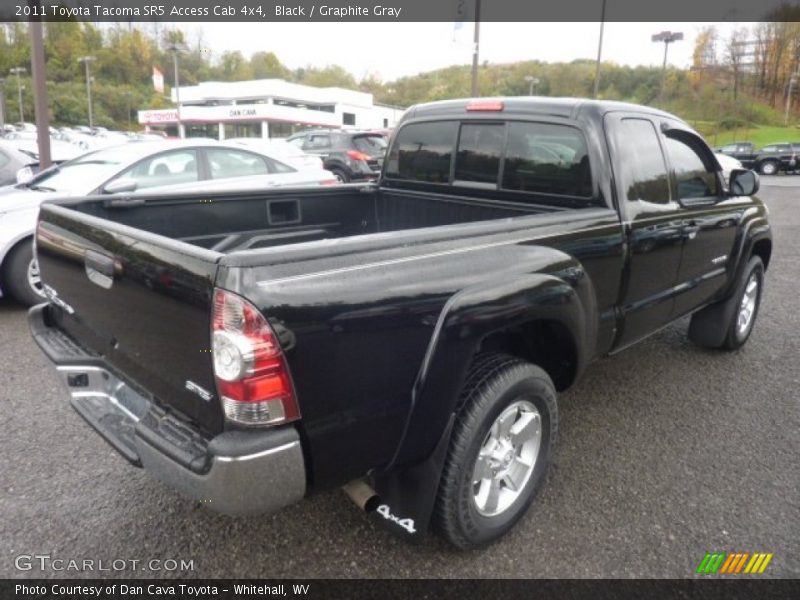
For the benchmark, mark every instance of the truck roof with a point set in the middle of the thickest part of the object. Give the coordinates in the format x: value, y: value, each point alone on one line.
x: 530, y: 105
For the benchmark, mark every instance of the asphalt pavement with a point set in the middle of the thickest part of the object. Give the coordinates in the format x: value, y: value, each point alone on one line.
x: 666, y: 452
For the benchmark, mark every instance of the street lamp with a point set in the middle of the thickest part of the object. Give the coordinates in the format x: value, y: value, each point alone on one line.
x: 2, y: 106
x: 532, y: 81
x: 86, y: 60
x: 175, y: 48
x: 128, y: 95
x: 19, y: 71
x: 667, y: 37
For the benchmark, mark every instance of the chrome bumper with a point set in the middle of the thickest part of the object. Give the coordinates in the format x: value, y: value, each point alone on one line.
x: 237, y: 472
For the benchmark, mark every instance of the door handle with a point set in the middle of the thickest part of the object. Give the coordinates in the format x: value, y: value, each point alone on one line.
x: 690, y: 229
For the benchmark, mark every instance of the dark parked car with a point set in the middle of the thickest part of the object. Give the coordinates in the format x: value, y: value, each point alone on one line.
x: 349, y: 155
x: 742, y: 151
x: 405, y: 340
x: 774, y: 158
x: 15, y: 166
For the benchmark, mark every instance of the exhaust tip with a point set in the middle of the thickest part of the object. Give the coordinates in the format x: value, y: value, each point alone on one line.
x: 362, y: 495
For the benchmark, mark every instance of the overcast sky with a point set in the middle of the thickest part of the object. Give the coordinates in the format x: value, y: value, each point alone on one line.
x: 393, y: 50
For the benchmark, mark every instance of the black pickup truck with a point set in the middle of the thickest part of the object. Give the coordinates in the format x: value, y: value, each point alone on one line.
x: 405, y: 339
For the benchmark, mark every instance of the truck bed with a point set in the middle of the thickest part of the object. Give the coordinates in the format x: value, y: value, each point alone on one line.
x: 246, y: 221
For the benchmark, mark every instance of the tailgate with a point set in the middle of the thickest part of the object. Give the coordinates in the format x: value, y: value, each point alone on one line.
x: 140, y: 300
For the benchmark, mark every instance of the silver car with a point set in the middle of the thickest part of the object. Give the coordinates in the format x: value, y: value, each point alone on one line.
x: 147, y: 167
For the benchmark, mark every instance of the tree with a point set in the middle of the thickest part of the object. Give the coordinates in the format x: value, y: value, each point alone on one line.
x: 265, y: 65
x: 233, y: 67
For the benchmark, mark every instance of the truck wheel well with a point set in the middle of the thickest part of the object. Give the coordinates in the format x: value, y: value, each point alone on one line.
x: 763, y: 249
x: 548, y: 344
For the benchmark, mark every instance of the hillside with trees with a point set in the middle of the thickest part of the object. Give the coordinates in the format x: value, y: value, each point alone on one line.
x: 735, y: 82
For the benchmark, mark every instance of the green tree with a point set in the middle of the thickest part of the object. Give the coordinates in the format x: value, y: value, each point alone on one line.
x: 265, y: 65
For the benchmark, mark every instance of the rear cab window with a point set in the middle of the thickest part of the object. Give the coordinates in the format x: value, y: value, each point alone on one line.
x: 517, y: 158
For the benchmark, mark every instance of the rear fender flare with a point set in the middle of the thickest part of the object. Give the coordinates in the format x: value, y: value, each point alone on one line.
x: 409, y: 489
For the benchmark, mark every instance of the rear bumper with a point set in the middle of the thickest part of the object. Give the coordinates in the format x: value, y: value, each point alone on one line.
x: 235, y: 472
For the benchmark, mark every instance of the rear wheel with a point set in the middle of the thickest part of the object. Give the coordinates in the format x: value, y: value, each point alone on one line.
x: 340, y: 175
x: 21, y: 275
x: 499, y: 452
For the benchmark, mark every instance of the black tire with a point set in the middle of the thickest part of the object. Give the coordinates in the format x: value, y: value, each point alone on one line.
x: 15, y: 275
x: 768, y: 167
x: 495, y: 382
x: 717, y: 326
x: 341, y: 175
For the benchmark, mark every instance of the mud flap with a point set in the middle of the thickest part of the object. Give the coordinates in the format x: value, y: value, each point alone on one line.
x: 408, y: 495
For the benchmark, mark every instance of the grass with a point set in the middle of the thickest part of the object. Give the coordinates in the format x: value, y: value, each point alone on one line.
x: 759, y: 135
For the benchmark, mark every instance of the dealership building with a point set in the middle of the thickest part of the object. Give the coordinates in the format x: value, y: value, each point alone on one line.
x: 269, y: 108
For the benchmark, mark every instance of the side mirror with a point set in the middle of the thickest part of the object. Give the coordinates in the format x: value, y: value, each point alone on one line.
x: 121, y: 186
x: 743, y: 183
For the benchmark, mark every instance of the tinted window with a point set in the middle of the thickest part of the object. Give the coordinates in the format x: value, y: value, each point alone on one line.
x: 730, y: 148
x: 374, y: 145
x: 769, y: 149
x: 422, y: 152
x: 644, y: 173
x: 225, y: 162
x: 692, y: 177
x: 317, y: 141
x: 546, y: 158
x: 348, y: 119
x: 168, y: 168
x: 479, y: 148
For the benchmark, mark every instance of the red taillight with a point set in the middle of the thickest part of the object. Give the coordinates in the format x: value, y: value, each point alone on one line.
x: 489, y: 106
x: 252, y: 377
x: 356, y: 155
x: 329, y: 182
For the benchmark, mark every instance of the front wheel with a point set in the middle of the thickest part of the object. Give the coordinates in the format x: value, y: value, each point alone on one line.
x: 727, y: 325
x: 769, y: 167
x: 500, y: 450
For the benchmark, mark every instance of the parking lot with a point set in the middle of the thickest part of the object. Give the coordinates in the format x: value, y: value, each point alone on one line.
x: 666, y: 452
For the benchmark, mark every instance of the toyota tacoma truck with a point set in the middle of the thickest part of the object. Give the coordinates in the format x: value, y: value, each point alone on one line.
x: 403, y: 339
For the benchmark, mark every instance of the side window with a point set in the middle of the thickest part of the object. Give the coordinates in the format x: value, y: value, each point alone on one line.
x: 480, y: 146
x: 318, y: 142
x: 298, y: 141
x: 422, y: 152
x: 730, y: 148
x: 769, y: 149
x: 225, y: 162
x: 548, y: 159
x: 692, y: 178
x: 169, y: 168
x: 644, y: 172
x: 4, y: 160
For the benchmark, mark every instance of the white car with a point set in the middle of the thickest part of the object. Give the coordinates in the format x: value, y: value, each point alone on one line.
x: 728, y: 164
x: 282, y: 150
x: 136, y: 167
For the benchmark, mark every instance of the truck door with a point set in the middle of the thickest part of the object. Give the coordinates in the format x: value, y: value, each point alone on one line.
x: 653, y: 221
x: 709, y: 223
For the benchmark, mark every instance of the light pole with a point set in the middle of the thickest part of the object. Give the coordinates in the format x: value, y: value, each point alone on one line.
x: 86, y: 60
x: 19, y: 71
x: 599, y: 50
x: 128, y: 95
x: 792, y: 83
x: 175, y: 48
x: 532, y: 81
x: 476, y: 48
x: 2, y: 106
x: 667, y: 37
